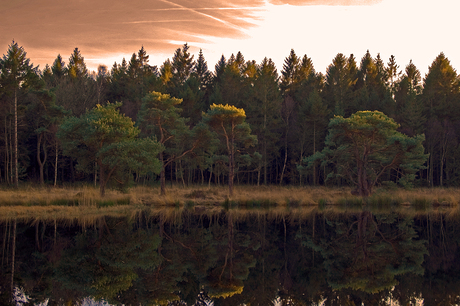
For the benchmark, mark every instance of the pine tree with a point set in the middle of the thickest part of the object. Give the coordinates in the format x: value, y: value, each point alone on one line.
x: 182, y: 66
x: 201, y: 72
x: 441, y: 99
x: 341, y: 78
x: 16, y: 71
x: 263, y: 106
x: 289, y: 72
x: 77, y: 67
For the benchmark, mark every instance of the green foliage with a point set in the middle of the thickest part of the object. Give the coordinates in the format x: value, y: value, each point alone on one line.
x: 160, y: 116
x: 288, y: 112
x: 365, y: 146
x: 133, y: 154
x: 109, y: 139
x: 229, y: 123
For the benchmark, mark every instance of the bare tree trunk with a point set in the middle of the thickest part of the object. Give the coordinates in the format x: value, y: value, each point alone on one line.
x: 285, y: 161
x: 56, y: 164
x: 181, y: 173
x: 16, y: 174
x: 314, y: 151
x: 10, y: 155
x: 7, y: 154
x: 231, y: 163
x: 162, y: 176
x: 95, y: 174
x: 210, y: 177
x: 41, y: 163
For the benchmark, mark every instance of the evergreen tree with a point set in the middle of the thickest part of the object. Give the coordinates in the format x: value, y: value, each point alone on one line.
x: 440, y: 98
x: 181, y: 68
x: 263, y: 107
x: 160, y: 117
x: 219, y: 70
x: 77, y: 66
x: 409, y: 109
x: 289, y: 72
x: 229, y: 123
x: 341, y: 78
x: 16, y: 74
x: 201, y: 72
x: 365, y: 146
x: 77, y: 91
x: 109, y: 139
x: 314, y: 114
x: 393, y: 74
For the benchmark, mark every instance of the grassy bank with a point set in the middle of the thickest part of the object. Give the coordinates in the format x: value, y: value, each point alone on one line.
x: 244, y: 196
x: 84, y: 205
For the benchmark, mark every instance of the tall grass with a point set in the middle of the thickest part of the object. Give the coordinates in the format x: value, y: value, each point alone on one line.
x: 247, y: 197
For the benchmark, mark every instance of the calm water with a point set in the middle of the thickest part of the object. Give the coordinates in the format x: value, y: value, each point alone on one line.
x: 232, y: 257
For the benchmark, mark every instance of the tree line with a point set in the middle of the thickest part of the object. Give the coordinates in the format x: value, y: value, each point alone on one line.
x: 281, y: 118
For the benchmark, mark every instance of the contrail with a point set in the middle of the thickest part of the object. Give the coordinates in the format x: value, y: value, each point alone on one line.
x: 155, y: 21
x: 203, y: 14
x: 182, y: 8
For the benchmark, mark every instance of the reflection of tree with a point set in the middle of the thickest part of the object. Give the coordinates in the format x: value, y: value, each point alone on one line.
x: 232, y: 269
x: 367, y: 252
x: 261, y: 240
x: 442, y: 268
x: 105, y: 261
x: 361, y: 258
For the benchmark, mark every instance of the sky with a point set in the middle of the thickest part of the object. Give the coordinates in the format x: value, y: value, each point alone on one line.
x: 106, y: 31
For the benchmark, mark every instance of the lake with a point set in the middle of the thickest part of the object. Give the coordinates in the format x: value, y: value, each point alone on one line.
x: 224, y: 256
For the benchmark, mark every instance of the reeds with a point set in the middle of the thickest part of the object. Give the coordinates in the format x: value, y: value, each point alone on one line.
x: 245, y: 197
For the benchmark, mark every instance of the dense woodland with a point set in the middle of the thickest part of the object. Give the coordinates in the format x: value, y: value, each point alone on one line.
x: 288, y: 111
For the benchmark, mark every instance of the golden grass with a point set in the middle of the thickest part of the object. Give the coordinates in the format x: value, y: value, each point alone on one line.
x: 443, y: 196
x: 85, y: 196
x: 217, y: 195
x: 86, y: 205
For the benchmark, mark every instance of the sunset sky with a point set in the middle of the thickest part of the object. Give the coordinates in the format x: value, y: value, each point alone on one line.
x: 106, y: 31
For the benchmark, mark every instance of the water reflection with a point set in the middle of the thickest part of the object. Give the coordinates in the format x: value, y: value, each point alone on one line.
x: 232, y: 257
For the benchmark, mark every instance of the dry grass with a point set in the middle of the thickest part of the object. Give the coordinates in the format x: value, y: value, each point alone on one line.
x: 32, y: 196
x: 42, y: 200
x: 437, y: 196
x: 85, y: 207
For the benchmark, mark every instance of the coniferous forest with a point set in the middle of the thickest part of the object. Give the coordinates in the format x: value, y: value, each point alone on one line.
x: 187, y: 123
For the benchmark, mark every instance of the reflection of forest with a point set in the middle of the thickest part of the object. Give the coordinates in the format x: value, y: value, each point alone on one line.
x: 235, y: 258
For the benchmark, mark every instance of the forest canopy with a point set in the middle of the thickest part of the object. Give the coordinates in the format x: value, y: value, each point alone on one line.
x: 287, y: 111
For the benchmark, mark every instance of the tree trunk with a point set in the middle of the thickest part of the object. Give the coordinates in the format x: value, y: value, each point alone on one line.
x: 95, y: 174
x: 101, y: 182
x: 56, y: 164
x: 7, y: 154
x: 162, y: 176
x: 231, y: 162
x: 210, y: 177
x: 231, y: 173
x: 265, y: 143
x: 265, y: 163
x: 16, y: 174
x: 41, y: 163
x: 285, y: 161
x: 314, y: 151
